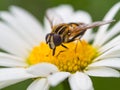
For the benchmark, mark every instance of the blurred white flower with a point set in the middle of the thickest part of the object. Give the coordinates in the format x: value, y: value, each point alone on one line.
x: 28, y: 56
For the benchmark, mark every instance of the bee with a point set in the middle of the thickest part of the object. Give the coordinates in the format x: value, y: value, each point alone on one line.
x: 68, y: 32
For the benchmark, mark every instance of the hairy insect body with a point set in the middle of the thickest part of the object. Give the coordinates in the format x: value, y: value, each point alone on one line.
x: 63, y: 33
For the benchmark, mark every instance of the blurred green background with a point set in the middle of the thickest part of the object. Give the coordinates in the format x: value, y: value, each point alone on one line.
x: 96, y: 8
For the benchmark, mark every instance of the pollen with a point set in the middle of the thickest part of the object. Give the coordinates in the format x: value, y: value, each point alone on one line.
x: 76, y: 58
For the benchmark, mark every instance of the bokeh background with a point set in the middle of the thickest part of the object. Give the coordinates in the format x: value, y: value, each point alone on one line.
x: 96, y: 8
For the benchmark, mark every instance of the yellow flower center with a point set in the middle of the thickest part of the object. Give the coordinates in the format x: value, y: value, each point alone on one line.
x: 76, y: 58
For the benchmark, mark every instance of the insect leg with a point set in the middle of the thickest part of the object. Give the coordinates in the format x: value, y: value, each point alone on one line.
x: 78, y: 40
x: 64, y: 46
x: 60, y: 53
x: 53, y: 52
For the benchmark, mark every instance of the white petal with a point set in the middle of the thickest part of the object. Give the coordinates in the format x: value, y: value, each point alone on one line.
x: 109, y: 53
x: 112, y: 62
x: 80, y: 81
x: 53, y: 17
x: 17, y: 27
x: 47, y: 26
x: 113, y: 43
x: 103, y: 72
x: 67, y: 9
x: 78, y: 16
x: 4, y: 84
x: 7, y: 74
x: 39, y: 84
x: 88, y: 36
x: 42, y: 69
x: 28, y: 21
x: 10, y: 42
x: 11, y: 61
x: 115, y: 54
x: 57, y: 78
x: 102, y: 30
x: 112, y: 12
x: 112, y: 32
x: 66, y: 13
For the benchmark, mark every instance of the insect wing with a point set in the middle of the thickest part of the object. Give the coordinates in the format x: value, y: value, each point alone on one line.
x: 94, y: 24
x: 80, y: 30
x: 82, y: 27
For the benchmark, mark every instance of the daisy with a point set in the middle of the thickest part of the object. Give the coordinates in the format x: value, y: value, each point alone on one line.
x: 28, y: 56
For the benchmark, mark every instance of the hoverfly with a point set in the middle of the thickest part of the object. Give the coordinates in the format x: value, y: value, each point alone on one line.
x: 68, y: 32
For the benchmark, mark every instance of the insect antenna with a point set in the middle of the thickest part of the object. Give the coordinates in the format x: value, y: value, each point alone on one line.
x: 51, y: 23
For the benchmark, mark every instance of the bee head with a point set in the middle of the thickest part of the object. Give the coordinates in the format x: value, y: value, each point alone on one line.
x: 53, y: 40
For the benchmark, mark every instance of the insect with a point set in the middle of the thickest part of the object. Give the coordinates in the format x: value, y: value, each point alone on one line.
x: 68, y: 32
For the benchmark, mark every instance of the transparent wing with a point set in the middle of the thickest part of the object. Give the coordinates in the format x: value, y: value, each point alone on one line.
x: 98, y: 23
x: 83, y: 27
x: 53, y: 17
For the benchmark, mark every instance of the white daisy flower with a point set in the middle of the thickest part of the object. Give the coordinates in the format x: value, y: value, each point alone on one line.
x: 28, y: 56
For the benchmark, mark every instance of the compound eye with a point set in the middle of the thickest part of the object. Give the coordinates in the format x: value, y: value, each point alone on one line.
x: 57, y: 39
